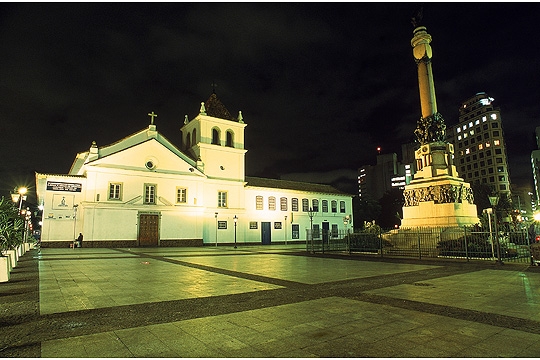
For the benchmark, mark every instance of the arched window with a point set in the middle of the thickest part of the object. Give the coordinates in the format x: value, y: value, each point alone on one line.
x: 188, y: 141
x: 194, y: 138
x: 215, y: 137
x: 230, y: 138
x: 271, y: 203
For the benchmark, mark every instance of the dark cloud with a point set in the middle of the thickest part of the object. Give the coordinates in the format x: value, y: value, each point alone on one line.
x: 320, y: 85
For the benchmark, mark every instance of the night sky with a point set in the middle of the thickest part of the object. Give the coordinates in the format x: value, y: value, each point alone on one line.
x: 320, y: 85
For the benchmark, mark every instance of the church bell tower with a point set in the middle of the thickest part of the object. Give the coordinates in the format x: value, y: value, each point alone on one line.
x: 215, y: 139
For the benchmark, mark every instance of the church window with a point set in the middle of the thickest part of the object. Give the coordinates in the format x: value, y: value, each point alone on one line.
x: 342, y: 206
x: 115, y: 191
x: 305, y: 205
x: 334, y: 206
x: 181, y: 195
x: 230, y: 139
x: 222, y: 199
x: 325, y: 206
x: 283, y: 203
x: 258, y: 202
x: 194, y: 137
x: 215, y: 137
x: 149, y: 193
x: 188, y: 141
x: 315, y: 205
x: 271, y: 203
x: 294, y: 204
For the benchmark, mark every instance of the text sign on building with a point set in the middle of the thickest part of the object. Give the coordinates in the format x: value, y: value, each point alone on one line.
x: 63, y: 186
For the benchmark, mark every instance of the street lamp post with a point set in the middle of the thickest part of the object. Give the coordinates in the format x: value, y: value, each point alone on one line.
x: 310, y: 214
x: 489, y: 211
x: 494, y: 200
x: 74, y: 221
x: 215, y: 215
x: 19, y: 197
x: 285, y: 229
x: 235, y: 223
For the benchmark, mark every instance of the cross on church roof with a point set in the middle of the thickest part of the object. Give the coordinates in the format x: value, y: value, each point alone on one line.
x: 214, y: 86
x: 152, y: 116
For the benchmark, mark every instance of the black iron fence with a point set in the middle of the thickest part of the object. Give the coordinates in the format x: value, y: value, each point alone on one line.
x: 451, y: 243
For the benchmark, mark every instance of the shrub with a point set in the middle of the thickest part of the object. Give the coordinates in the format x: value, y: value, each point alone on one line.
x: 478, y: 245
x: 367, y: 241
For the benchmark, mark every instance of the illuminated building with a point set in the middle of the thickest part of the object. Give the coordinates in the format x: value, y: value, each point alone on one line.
x: 388, y: 173
x: 145, y: 191
x: 480, y: 151
x: 535, y: 163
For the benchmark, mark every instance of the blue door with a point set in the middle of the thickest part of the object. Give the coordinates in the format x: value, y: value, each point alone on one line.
x: 266, y: 233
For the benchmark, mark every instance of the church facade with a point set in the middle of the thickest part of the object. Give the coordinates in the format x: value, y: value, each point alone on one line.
x: 145, y: 191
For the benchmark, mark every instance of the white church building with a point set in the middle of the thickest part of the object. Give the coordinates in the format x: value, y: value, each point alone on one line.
x: 145, y: 191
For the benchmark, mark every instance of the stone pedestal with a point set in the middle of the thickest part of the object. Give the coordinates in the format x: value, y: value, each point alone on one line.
x: 439, y: 202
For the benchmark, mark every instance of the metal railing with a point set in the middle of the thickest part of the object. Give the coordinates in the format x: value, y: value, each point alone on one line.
x: 450, y: 243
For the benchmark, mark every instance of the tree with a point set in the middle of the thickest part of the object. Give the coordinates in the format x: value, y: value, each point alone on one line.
x: 11, y: 226
x: 481, y: 194
x: 365, y: 209
x: 391, y: 208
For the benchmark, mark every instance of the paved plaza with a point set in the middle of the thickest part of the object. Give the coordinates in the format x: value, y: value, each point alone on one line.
x: 264, y: 301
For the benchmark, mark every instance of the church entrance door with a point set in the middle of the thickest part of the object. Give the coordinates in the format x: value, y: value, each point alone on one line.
x: 148, y: 230
x: 266, y: 233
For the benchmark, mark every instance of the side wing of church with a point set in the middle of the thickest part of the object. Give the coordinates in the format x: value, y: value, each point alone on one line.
x: 145, y: 191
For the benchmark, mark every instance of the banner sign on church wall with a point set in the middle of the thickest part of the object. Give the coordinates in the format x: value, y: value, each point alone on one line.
x: 63, y: 186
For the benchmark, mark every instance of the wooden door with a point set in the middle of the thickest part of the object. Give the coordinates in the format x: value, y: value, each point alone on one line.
x: 148, y: 230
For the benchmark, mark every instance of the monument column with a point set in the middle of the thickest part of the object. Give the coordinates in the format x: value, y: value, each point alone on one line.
x: 422, y: 54
x: 436, y: 197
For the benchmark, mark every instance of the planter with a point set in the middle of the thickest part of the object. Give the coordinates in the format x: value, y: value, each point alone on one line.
x: 19, y: 251
x: 26, y: 246
x: 13, y: 255
x: 4, y: 268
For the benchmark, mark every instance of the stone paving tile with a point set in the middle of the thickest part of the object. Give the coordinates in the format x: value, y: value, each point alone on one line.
x: 485, y: 290
x: 302, y: 269
x: 128, y: 281
x: 228, y: 336
x: 370, y: 324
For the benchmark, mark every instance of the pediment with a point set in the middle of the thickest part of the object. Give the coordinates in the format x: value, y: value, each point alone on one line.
x: 150, y: 155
